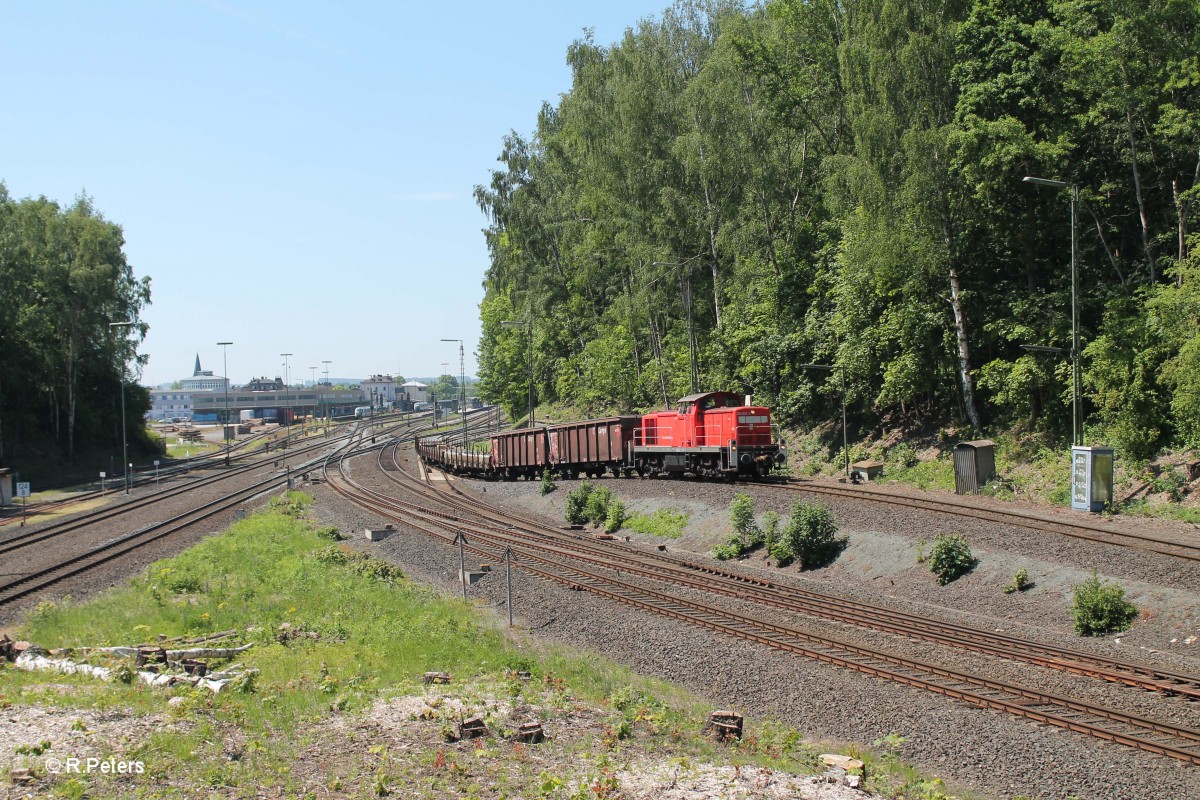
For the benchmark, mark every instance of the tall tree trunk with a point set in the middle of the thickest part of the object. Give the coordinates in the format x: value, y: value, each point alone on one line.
x: 712, y: 252
x: 71, y: 397
x: 960, y: 325
x: 1184, y: 209
x: 964, y: 353
x: 1137, y: 188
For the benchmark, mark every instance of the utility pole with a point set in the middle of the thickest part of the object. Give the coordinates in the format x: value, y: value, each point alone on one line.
x: 124, y: 436
x: 462, y: 386
x: 287, y: 393
x: 225, y: 360
x: 461, y: 541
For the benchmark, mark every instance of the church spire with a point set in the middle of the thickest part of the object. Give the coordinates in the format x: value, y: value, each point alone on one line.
x: 197, y: 372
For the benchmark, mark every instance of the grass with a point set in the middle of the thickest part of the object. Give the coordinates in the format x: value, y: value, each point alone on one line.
x: 934, y: 474
x: 379, y: 633
x: 1172, y: 511
x: 667, y: 523
x: 191, y: 449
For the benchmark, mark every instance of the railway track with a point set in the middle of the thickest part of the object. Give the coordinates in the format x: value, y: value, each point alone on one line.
x: 147, y: 475
x: 42, y: 534
x: 41, y: 579
x: 47, y: 532
x: 575, y: 563
x: 1178, y: 548
x: 793, y: 599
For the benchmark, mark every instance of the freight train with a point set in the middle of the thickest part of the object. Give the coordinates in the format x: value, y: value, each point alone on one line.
x: 710, y: 435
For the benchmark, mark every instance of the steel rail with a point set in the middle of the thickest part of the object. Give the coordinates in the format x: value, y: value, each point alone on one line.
x: 39, y: 580
x: 1078, y: 530
x: 986, y: 693
x: 795, y: 599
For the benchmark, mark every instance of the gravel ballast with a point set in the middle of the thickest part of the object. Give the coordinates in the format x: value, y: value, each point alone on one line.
x: 983, y: 751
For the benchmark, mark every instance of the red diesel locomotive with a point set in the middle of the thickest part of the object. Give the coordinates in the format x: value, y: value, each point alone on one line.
x: 711, y: 435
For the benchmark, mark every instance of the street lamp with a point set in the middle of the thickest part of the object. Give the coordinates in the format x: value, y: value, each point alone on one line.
x: 326, y: 362
x: 695, y: 375
x: 225, y: 360
x: 529, y: 327
x: 287, y: 395
x: 1077, y: 387
x: 845, y: 438
x: 462, y: 386
x: 124, y: 437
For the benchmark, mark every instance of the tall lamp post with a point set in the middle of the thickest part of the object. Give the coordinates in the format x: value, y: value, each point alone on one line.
x: 124, y: 437
x: 845, y: 437
x: 529, y: 327
x: 287, y: 394
x: 445, y: 367
x: 225, y: 360
x: 327, y: 362
x: 1077, y: 388
x: 695, y: 375
x: 462, y: 386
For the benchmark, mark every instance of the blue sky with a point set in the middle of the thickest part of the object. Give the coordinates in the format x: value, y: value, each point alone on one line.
x: 294, y: 177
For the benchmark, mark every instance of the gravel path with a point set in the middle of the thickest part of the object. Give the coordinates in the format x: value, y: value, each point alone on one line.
x: 983, y: 751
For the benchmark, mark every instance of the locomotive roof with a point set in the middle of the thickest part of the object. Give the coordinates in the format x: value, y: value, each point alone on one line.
x: 691, y: 398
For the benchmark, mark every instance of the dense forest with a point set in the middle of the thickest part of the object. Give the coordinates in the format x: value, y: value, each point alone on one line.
x: 64, y: 279
x: 730, y: 193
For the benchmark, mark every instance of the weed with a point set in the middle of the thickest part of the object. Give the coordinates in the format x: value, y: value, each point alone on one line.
x: 331, y: 533
x: 548, y: 484
x: 667, y: 523
x: 950, y: 558
x: 1020, y: 582
x: 1098, y: 607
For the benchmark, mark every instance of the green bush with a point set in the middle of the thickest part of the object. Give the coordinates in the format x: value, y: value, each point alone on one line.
x: 596, y: 507
x: 1099, y: 608
x: 1170, y: 481
x: 770, y: 529
x: 741, y: 515
x: 903, y: 455
x: 615, y: 518
x: 950, y: 557
x: 577, y: 500
x: 810, y: 537
x: 727, y: 551
x: 746, y: 535
x: 548, y: 484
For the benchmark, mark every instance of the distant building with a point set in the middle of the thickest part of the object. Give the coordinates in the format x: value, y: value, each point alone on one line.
x: 179, y: 404
x: 203, y: 379
x: 264, y: 385
x: 380, y: 389
x: 415, y: 391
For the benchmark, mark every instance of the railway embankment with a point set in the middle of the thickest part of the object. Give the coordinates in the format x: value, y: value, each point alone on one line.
x: 330, y: 650
x: 982, y: 751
